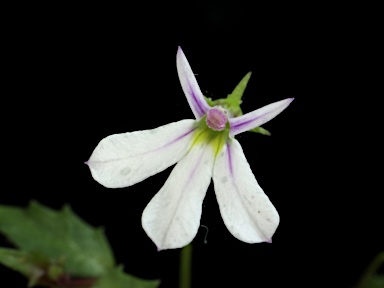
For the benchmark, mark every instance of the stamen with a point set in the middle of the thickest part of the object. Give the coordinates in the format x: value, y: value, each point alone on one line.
x: 216, y: 118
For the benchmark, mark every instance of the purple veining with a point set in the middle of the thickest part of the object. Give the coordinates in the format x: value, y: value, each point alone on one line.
x: 236, y: 126
x: 235, y: 186
x: 190, y: 86
x: 254, y: 119
x: 199, y: 107
x: 147, y: 152
x: 174, y: 140
x: 230, y: 159
x: 182, y: 195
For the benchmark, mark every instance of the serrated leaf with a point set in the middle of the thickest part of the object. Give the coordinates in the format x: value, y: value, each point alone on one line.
x: 261, y: 130
x: 118, y: 279
x: 59, y: 236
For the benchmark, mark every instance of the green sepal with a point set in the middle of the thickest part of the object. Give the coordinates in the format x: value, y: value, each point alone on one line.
x: 260, y: 130
x: 237, y: 93
x: 210, y: 102
x: 233, y: 101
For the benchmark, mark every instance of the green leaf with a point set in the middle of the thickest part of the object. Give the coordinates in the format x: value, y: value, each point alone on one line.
x: 23, y: 262
x: 116, y: 278
x: 261, y: 130
x: 60, y: 236
x: 376, y: 281
x: 370, y: 279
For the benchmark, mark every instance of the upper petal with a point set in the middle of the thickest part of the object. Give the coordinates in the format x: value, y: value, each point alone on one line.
x: 172, y: 217
x: 190, y: 87
x: 258, y: 117
x: 121, y: 160
x: 247, y: 212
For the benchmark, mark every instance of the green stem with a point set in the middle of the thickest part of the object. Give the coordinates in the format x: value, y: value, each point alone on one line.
x: 371, y: 270
x: 185, y: 267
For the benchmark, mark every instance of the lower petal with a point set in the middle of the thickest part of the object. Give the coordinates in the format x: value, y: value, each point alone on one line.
x: 121, y: 160
x: 172, y: 217
x: 247, y: 212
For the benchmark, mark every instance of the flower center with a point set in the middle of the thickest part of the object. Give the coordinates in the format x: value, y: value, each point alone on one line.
x: 216, y: 118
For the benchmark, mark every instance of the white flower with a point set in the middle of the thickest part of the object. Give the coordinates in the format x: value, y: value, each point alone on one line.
x: 204, y: 148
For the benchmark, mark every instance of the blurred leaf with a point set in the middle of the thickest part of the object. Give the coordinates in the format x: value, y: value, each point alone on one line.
x: 25, y: 263
x: 376, y: 281
x: 118, y: 279
x: 370, y: 279
x: 58, y: 236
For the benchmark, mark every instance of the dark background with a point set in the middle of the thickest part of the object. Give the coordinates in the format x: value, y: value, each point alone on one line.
x: 79, y: 74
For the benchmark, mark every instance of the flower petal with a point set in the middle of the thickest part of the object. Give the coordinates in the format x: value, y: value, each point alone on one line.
x: 258, y: 117
x: 247, y: 212
x: 121, y: 160
x: 172, y: 217
x: 190, y: 87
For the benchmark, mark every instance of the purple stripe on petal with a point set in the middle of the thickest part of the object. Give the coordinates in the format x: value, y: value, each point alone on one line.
x: 193, y: 171
x: 240, y: 125
x: 258, y: 117
x: 190, y: 86
x: 230, y: 159
x: 175, y: 140
x: 199, y: 107
x: 165, y: 145
x: 171, y: 142
x: 154, y: 150
x: 182, y: 195
x: 241, y: 196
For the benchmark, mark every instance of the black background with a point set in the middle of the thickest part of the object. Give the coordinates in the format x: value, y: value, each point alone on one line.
x: 79, y: 74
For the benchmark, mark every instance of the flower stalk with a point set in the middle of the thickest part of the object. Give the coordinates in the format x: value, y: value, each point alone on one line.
x: 185, y: 275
